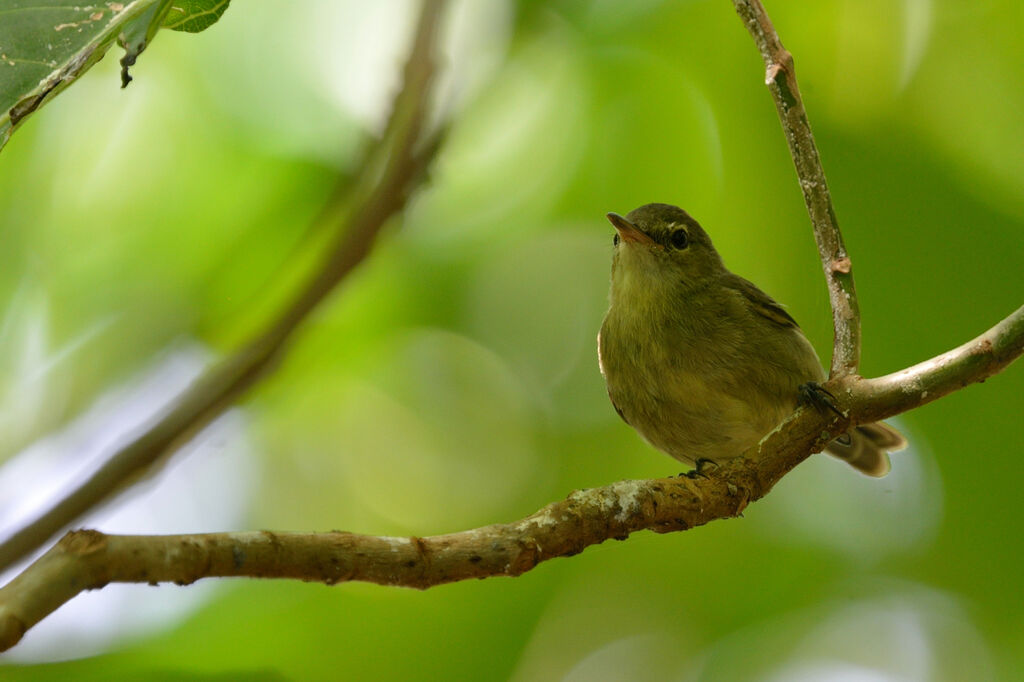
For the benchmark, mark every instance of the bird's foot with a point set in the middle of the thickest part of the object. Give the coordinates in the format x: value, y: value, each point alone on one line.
x: 815, y: 395
x: 702, y: 465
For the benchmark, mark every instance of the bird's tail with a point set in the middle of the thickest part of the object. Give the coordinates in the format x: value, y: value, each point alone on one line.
x: 866, y: 448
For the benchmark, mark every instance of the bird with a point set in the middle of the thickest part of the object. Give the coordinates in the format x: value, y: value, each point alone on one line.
x: 700, y: 361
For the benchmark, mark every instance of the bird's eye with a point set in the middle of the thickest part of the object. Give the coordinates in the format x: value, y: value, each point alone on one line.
x: 615, y: 239
x: 680, y: 239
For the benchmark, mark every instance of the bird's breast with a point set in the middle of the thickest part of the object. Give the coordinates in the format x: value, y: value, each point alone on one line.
x: 685, y: 387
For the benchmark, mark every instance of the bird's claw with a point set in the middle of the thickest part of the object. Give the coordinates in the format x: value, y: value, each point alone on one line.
x: 702, y: 464
x: 817, y: 396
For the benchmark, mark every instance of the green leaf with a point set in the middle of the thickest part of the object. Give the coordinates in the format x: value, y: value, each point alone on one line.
x: 46, y: 44
x: 193, y: 16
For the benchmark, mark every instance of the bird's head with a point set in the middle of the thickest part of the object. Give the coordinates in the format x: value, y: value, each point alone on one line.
x: 660, y: 246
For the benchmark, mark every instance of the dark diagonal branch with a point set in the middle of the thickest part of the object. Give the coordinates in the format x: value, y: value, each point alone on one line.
x: 780, y: 78
x: 88, y: 559
x: 393, y: 170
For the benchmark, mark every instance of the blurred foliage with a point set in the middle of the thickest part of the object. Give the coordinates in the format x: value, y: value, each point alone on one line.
x: 452, y: 380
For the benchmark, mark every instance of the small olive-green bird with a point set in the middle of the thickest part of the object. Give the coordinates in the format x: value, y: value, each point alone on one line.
x: 700, y: 361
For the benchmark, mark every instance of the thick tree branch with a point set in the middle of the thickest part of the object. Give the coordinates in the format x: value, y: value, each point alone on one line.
x: 392, y: 172
x: 780, y: 77
x: 88, y: 559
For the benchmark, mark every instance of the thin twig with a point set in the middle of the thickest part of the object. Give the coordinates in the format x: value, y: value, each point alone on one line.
x: 88, y: 559
x: 386, y: 182
x: 780, y: 77
x: 922, y: 383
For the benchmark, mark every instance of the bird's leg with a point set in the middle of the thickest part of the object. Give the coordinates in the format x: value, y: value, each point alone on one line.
x: 815, y: 395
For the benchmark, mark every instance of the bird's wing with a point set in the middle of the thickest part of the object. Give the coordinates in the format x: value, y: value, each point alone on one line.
x: 760, y: 302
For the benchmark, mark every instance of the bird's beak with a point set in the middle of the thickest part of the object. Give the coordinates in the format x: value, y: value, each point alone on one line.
x: 629, y: 232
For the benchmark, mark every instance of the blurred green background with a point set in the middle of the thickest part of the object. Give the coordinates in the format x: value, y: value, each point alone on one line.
x: 452, y: 382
